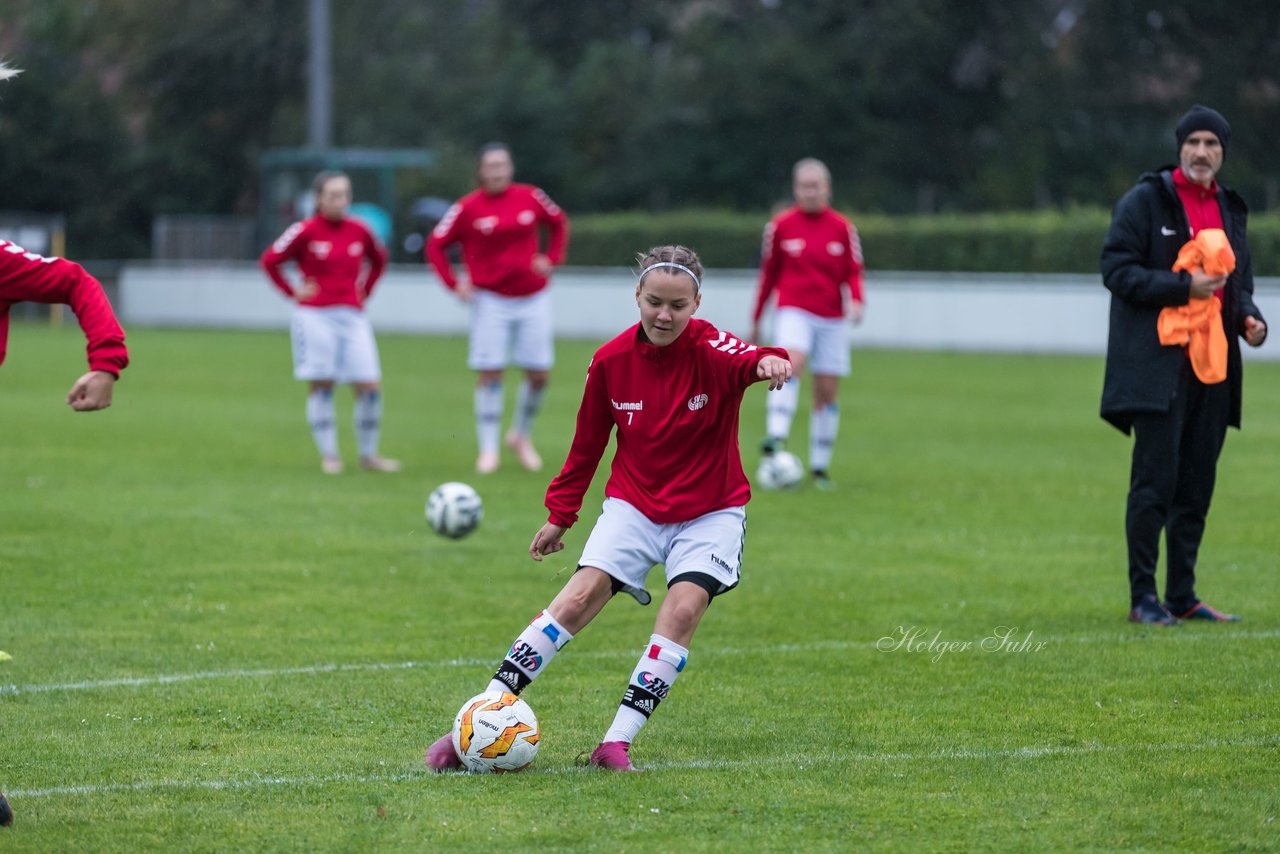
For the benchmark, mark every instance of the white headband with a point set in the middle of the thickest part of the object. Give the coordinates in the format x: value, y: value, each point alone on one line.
x: 697, y: 283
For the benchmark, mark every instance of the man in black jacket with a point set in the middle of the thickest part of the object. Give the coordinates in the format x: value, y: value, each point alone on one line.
x: 1179, y: 423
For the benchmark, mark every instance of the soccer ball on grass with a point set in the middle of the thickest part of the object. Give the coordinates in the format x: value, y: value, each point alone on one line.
x: 454, y: 510
x: 495, y: 732
x: 780, y: 470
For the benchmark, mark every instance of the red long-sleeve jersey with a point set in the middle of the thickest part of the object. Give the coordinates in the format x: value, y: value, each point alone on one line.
x: 26, y: 276
x: 343, y: 258
x: 676, y: 412
x: 808, y: 258
x: 499, y: 236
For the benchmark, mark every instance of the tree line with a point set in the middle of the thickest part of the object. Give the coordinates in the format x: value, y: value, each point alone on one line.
x: 133, y: 108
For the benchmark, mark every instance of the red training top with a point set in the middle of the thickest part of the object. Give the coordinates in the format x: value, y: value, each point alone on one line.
x: 343, y: 258
x: 676, y: 411
x: 1200, y: 204
x: 26, y: 276
x: 499, y: 237
x: 807, y: 258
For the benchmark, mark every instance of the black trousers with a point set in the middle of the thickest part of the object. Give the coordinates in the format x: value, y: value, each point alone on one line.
x: 1175, y: 463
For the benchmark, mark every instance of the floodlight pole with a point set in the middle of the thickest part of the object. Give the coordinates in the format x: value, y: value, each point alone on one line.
x: 319, y: 77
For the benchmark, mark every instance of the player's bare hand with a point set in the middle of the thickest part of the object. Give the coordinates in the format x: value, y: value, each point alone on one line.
x: 464, y: 290
x: 547, y: 541
x: 541, y: 265
x: 91, y: 392
x: 1255, y: 331
x: 856, y: 310
x: 1203, y: 285
x: 308, y: 289
x: 774, y: 369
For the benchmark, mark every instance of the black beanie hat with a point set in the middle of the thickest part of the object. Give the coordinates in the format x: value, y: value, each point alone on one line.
x: 1203, y: 118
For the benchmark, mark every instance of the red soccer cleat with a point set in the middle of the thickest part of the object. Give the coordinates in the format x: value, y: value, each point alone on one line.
x: 441, y: 756
x: 612, y: 755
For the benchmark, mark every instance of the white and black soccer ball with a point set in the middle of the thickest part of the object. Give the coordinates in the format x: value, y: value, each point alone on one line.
x: 454, y: 510
x: 495, y: 732
x: 780, y: 470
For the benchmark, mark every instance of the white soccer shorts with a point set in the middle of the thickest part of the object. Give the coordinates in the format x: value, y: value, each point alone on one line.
x: 510, y: 329
x: 334, y: 343
x: 825, y: 340
x: 625, y: 544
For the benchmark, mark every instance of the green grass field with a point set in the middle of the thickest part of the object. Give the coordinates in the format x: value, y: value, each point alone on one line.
x: 215, y: 647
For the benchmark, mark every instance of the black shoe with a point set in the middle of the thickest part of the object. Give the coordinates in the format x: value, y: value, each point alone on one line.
x: 6, y: 814
x: 822, y: 480
x: 770, y: 445
x: 1150, y: 611
x: 1201, y: 611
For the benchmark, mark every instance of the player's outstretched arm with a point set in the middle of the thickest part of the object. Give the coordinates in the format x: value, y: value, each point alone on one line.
x: 547, y: 541
x: 774, y: 369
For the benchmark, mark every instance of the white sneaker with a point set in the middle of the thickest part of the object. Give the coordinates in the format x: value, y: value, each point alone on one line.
x: 379, y: 464
x: 523, y: 447
x: 487, y: 462
x: 331, y: 465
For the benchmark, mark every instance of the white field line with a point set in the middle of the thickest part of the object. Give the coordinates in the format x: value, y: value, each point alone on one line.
x: 801, y: 763
x: 1159, y: 635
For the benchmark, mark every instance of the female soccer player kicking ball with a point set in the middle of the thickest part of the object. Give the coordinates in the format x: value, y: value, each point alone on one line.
x: 672, y: 387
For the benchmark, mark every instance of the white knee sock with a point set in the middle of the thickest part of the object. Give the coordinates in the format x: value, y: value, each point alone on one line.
x: 320, y: 415
x: 824, y: 424
x: 488, y: 404
x: 780, y: 409
x: 368, y: 418
x: 528, y: 402
x: 530, y: 654
x: 653, y: 677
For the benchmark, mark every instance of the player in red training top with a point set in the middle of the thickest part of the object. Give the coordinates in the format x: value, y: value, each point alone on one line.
x: 671, y: 386
x: 340, y: 261
x: 28, y: 277
x: 505, y: 282
x: 812, y: 259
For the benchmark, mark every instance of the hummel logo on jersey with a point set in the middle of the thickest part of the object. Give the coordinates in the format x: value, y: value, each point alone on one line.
x: 726, y: 343
x: 486, y: 224
x: 1167, y: 231
x: 320, y: 248
x: 525, y: 656
x: 698, y: 401
x: 793, y: 246
x: 628, y: 405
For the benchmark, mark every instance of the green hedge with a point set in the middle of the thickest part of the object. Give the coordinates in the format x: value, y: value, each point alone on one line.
x: 1028, y: 241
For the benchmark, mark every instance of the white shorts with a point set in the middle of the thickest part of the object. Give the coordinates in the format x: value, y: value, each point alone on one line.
x: 334, y: 343
x: 626, y: 545
x: 824, y: 340
x: 515, y: 329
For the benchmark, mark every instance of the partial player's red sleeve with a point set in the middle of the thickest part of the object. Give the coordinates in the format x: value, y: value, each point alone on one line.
x: 590, y: 438
x: 442, y: 237
x: 26, y: 276
x: 770, y: 262
x: 377, y: 255
x: 557, y: 228
x: 278, y: 253
x: 854, y: 251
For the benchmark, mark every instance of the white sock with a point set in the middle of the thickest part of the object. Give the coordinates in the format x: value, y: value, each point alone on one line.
x: 824, y: 424
x: 530, y: 654
x: 368, y: 417
x: 780, y: 409
x: 320, y: 415
x: 488, y: 404
x: 528, y: 402
x: 653, y: 677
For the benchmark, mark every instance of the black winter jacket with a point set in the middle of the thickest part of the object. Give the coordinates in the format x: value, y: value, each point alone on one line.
x: 1148, y: 227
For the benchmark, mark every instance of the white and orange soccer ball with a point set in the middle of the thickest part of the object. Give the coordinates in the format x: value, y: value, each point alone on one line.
x: 495, y: 732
